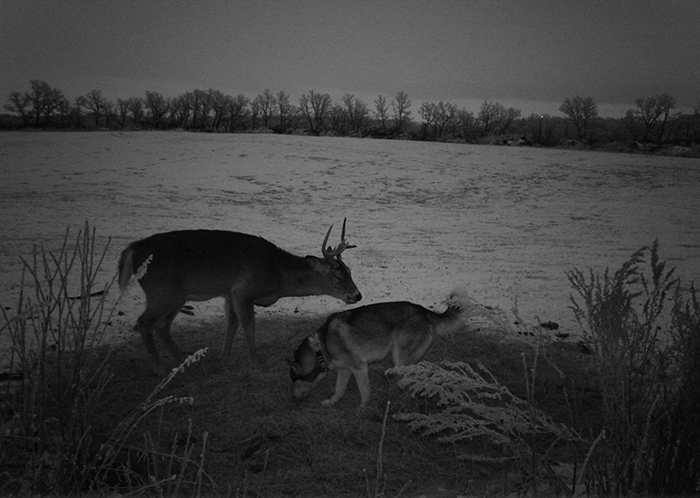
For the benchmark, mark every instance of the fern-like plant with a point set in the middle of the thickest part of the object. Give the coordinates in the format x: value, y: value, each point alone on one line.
x: 472, y: 405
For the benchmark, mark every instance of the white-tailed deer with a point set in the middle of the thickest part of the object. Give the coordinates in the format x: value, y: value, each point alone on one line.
x: 246, y: 270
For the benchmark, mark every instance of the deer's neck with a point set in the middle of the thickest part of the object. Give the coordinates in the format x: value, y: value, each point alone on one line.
x: 299, y: 277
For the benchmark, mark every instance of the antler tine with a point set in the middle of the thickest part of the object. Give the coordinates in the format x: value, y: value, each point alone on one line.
x: 343, y: 241
x: 327, y: 250
x: 332, y: 254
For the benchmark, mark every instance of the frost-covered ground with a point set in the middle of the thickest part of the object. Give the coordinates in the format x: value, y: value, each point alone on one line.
x: 505, y: 223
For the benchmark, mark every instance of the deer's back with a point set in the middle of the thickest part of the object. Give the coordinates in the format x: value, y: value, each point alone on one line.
x: 204, y: 263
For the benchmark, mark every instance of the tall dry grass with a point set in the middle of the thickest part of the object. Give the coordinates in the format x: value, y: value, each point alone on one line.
x: 644, y: 329
x: 58, y: 375
x: 59, y: 315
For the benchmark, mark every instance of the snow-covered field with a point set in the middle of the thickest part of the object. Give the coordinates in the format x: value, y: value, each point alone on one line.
x: 505, y: 223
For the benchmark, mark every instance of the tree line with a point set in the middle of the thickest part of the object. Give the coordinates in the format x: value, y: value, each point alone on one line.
x: 652, y: 122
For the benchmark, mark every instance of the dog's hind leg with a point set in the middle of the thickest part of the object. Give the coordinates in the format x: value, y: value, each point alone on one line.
x: 410, y: 355
x: 341, y: 384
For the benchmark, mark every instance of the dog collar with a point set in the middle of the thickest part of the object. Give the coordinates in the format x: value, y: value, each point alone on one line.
x: 313, y: 342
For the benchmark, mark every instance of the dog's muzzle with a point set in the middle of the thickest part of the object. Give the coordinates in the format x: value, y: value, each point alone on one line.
x: 302, y: 385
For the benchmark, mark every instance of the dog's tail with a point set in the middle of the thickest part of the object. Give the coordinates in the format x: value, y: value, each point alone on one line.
x: 453, y: 319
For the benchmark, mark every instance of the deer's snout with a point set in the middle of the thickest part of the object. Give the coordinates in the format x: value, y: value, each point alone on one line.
x: 353, y: 298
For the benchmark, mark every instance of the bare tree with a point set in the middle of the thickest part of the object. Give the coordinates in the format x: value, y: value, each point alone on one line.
x: 64, y: 110
x: 686, y: 126
x: 438, y: 116
x: 109, y: 112
x: 122, y: 111
x: 78, y: 111
x: 314, y: 107
x: 494, y: 118
x: 540, y: 128
x: 401, y: 108
x: 44, y: 100
x: 136, y: 108
x: 200, y: 109
x: 506, y: 119
x: 381, y: 112
x: 580, y: 111
x: 21, y: 104
x: 265, y: 104
x: 444, y: 115
x: 254, y: 113
x: 217, y: 100
x: 237, y: 110
x: 465, y: 124
x: 97, y: 103
x: 285, y: 110
x: 156, y: 106
x: 427, y: 114
x: 338, y: 120
x: 181, y: 109
x: 489, y: 115
x: 356, y: 111
x: 37, y: 97
x: 655, y: 112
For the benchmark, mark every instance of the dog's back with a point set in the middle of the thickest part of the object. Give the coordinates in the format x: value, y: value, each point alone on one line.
x: 370, y: 333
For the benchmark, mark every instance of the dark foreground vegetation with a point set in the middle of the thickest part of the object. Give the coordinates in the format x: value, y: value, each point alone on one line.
x: 652, y: 126
x: 617, y: 414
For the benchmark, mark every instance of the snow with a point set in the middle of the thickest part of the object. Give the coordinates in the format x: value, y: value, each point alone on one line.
x: 504, y: 222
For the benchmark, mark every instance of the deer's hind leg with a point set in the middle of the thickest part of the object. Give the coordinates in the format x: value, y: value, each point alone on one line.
x: 158, y: 315
x: 231, y: 327
x: 145, y: 325
x: 244, y: 311
x: 163, y: 329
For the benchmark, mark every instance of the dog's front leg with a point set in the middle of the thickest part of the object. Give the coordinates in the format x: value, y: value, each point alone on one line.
x: 362, y: 378
x: 341, y: 384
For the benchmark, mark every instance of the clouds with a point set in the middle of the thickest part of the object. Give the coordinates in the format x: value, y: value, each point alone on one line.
x: 540, y: 50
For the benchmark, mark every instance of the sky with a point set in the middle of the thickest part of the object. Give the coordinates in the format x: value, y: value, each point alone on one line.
x: 529, y: 54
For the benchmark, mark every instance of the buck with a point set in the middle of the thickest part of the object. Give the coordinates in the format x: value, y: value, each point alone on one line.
x: 246, y: 270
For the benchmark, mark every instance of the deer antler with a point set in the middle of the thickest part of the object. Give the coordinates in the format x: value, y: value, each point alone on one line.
x: 333, y: 255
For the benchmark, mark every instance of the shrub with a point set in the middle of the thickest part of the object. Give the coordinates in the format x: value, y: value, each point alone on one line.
x: 472, y: 405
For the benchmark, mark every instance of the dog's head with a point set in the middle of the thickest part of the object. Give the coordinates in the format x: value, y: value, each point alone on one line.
x: 308, y: 368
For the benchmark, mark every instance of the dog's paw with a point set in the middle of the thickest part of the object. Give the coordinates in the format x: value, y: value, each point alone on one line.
x: 327, y: 402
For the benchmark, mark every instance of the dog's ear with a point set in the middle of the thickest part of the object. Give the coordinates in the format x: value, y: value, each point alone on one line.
x: 294, y: 366
x: 293, y: 370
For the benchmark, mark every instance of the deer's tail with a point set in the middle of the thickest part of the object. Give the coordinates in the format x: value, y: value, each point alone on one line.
x: 126, y: 268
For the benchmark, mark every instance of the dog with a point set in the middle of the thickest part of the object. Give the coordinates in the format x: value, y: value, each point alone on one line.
x: 349, y: 340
